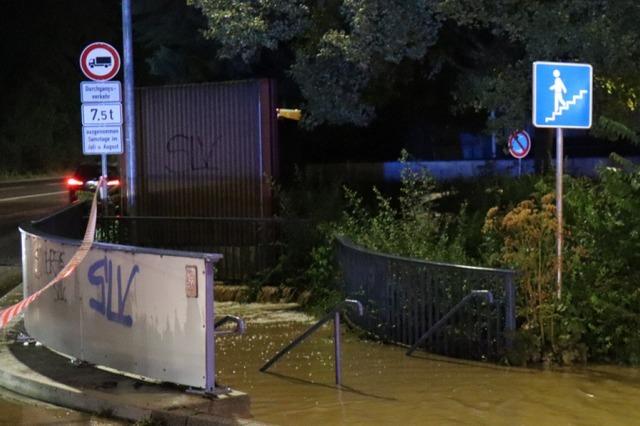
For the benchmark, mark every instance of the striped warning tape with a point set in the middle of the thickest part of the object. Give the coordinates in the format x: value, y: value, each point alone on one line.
x: 13, y: 311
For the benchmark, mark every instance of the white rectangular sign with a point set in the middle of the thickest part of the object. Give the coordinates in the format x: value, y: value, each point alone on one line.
x: 104, y: 114
x: 98, y: 140
x: 106, y: 91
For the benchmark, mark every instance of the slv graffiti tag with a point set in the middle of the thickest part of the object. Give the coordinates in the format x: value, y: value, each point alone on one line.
x: 100, y: 274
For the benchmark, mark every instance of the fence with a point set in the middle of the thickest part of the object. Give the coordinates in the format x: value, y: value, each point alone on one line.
x: 405, y: 297
x: 249, y: 245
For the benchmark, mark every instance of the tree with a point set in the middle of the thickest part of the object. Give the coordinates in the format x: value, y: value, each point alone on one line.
x: 347, y: 54
x: 599, y: 32
x: 344, y: 52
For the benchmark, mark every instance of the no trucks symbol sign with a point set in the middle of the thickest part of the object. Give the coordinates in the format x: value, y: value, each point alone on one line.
x: 100, y: 61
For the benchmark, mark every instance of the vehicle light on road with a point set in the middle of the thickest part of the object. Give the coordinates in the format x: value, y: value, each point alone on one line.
x: 74, y: 182
x: 114, y: 182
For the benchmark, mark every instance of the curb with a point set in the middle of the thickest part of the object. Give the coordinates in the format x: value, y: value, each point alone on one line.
x: 94, y: 402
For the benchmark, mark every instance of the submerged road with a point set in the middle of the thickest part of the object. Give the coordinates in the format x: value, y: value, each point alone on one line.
x: 20, y: 202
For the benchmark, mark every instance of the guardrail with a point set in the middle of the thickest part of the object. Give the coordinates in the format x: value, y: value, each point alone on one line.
x: 405, y: 297
x: 145, y: 311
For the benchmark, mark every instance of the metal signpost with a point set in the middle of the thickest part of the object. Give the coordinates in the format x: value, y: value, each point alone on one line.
x: 519, y: 147
x: 130, y: 123
x: 562, y: 99
x: 101, y: 104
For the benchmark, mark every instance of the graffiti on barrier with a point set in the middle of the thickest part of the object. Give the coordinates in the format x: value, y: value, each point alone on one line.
x: 101, y: 274
x: 190, y: 154
x: 53, y: 263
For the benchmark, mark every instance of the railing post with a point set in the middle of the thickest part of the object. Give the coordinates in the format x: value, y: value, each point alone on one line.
x: 210, y: 338
x: 509, y: 310
x: 333, y: 314
x: 336, y: 344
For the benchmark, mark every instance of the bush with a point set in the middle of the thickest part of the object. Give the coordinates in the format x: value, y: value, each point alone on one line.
x: 407, y: 226
x: 603, y: 287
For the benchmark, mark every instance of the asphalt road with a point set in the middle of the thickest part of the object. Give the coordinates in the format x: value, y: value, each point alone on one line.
x: 20, y: 202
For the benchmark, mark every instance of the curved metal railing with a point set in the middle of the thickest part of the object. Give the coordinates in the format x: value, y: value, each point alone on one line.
x: 405, y: 297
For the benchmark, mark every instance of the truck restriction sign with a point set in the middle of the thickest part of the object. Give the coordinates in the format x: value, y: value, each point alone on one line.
x: 100, y: 61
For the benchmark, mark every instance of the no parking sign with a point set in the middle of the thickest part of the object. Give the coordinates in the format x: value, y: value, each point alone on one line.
x: 519, y: 144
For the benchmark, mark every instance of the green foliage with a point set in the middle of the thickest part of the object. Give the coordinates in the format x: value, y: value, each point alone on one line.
x: 344, y: 50
x: 407, y: 226
x: 244, y: 27
x: 599, y: 313
x: 349, y: 58
x: 603, y: 220
x: 507, y: 36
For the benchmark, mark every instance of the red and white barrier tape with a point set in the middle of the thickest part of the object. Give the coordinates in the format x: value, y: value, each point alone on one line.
x: 13, y: 311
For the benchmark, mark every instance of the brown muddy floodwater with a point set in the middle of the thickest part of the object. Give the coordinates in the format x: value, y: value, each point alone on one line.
x: 382, y: 386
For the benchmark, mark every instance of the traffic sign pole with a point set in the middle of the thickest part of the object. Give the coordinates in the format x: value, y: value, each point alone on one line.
x: 559, y: 194
x: 103, y: 188
x: 129, y: 124
x: 562, y: 99
x: 519, y: 167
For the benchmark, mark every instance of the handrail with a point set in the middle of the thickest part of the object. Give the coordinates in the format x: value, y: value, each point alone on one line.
x: 442, y: 321
x: 333, y: 314
x: 240, y: 326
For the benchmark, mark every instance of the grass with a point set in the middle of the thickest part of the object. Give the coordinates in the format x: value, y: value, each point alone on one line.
x: 9, y: 278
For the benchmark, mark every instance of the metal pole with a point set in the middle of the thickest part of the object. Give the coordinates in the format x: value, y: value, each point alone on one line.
x: 492, y: 116
x: 336, y: 345
x: 129, y: 111
x: 103, y: 188
x: 519, y: 167
x: 559, y: 167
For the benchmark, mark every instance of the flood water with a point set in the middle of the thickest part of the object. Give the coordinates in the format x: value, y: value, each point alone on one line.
x: 382, y: 386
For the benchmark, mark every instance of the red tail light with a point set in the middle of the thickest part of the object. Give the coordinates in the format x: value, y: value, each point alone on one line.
x: 74, y: 182
x: 114, y: 182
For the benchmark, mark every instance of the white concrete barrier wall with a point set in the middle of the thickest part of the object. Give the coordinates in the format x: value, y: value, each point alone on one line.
x: 141, y: 311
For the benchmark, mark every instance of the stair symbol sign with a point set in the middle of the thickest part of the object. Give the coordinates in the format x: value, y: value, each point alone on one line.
x: 566, y: 106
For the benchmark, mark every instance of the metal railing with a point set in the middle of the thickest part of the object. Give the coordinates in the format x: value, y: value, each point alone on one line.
x: 334, y: 315
x: 404, y: 297
x: 249, y: 245
x: 239, y: 329
x: 474, y: 293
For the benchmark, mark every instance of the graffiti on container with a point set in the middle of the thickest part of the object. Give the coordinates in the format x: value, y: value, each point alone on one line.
x: 101, y: 274
x: 189, y: 153
x: 53, y: 261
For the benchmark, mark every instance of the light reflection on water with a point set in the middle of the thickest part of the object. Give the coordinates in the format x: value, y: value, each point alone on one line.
x: 383, y: 386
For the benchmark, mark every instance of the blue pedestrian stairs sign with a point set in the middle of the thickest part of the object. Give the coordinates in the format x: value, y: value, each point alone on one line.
x: 562, y: 95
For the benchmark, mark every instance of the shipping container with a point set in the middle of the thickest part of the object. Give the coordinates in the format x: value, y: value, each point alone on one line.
x: 206, y: 150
